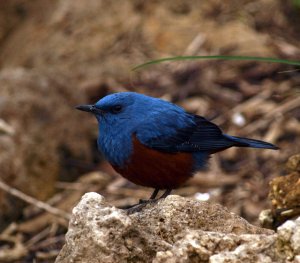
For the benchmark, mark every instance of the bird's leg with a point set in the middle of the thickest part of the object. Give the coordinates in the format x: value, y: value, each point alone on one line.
x: 153, y: 195
x: 166, y: 193
x: 141, y: 205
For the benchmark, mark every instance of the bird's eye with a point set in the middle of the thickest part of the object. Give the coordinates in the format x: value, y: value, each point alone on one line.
x: 116, y: 108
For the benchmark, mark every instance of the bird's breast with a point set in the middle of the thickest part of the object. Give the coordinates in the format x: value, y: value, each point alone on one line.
x: 152, y: 168
x: 117, y: 147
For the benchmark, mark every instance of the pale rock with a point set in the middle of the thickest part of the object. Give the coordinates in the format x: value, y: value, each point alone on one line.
x: 173, y: 230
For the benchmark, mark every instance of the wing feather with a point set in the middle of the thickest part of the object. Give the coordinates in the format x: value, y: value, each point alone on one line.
x: 201, y: 135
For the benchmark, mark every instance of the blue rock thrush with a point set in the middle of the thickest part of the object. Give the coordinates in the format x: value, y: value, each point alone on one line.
x: 155, y: 143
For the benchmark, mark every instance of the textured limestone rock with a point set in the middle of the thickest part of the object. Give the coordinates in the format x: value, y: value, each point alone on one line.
x: 285, y: 190
x: 284, y: 195
x: 293, y: 163
x: 176, y: 229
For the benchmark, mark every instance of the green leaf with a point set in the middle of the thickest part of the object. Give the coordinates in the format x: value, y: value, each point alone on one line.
x: 249, y: 58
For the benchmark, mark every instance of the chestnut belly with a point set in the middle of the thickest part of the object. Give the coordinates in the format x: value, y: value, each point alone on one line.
x: 151, y: 168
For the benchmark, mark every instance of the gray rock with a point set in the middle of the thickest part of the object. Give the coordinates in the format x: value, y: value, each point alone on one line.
x: 175, y: 229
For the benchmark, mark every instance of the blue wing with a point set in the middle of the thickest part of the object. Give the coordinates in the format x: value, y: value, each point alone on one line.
x: 201, y: 135
x: 198, y: 135
x: 171, y: 129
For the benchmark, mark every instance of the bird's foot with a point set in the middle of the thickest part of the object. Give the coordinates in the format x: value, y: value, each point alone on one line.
x: 142, y: 201
x: 139, y: 207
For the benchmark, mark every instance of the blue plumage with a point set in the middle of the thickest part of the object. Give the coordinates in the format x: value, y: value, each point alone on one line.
x: 245, y: 142
x: 145, y: 117
x: 162, y: 127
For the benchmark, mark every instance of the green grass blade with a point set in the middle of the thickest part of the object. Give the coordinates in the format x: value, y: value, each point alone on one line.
x: 249, y: 58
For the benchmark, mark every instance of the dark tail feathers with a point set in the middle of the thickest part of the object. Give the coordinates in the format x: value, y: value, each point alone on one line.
x: 245, y: 142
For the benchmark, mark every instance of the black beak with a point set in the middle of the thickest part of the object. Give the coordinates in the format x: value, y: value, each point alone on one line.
x: 89, y: 108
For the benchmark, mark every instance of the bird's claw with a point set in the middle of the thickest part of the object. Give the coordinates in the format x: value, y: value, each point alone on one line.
x: 142, y: 201
x: 139, y: 207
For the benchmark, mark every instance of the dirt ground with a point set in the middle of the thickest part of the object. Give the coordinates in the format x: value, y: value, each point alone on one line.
x: 57, y: 54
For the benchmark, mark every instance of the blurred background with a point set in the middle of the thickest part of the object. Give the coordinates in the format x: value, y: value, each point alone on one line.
x: 56, y: 54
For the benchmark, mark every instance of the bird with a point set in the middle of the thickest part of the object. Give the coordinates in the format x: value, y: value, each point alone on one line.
x: 155, y: 143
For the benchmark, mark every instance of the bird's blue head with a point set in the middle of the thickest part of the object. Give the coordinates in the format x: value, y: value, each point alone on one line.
x: 122, y: 115
x: 119, y: 108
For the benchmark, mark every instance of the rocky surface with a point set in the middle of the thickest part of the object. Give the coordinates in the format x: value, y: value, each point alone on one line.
x: 176, y: 229
x: 284, y: 196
